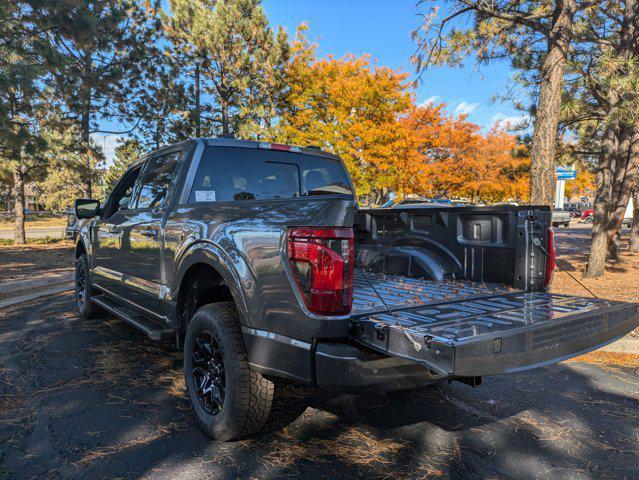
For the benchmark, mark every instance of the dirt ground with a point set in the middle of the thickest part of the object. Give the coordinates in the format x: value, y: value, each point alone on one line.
x: 20, y: 263
x: 96, y: 399
x: 621, y: 281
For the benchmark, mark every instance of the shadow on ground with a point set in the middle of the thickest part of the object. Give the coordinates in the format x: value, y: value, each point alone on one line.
x: 96, y: 399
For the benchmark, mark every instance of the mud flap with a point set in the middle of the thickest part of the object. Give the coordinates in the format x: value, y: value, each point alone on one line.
x: 497, y: 334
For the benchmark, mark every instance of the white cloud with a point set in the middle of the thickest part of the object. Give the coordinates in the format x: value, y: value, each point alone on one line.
x: 510, y: 121
x: 465, y: 108
x: 107, y: 142
x: 428, y: 101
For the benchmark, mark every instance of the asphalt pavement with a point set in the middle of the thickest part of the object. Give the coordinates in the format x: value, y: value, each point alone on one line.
x: 51, y: 232
x: 96, y: 399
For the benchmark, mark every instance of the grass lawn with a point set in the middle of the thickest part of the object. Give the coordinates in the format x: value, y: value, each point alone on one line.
x: 37, y: 220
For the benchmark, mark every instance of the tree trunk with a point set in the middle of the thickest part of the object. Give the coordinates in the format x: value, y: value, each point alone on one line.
x: 198, y: 121
x: 85, y: 126
x: 618, y: 161
x: 542, y: 154
x: 19, y: 233
x: 224, y: 105
x: 634, y: 232
x: 85, y: 138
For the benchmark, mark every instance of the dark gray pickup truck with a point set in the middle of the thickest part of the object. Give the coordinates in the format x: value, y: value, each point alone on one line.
x: 257, y: 260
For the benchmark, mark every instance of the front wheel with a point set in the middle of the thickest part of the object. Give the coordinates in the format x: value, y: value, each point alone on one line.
x: 230, y: 400
x: 84, y: 290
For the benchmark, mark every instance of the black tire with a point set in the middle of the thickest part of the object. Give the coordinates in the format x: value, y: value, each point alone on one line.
x: 84, y: 290
x: 566, y: 225
x: 555, y: 225
x: 239, y: 400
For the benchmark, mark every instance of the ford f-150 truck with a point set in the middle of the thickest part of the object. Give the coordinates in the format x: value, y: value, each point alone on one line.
x: 256, y: 259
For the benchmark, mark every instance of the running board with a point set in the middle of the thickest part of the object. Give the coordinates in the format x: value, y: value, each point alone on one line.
x: 152, y: 328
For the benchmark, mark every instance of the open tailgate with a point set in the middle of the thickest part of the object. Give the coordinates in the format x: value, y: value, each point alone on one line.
x: 496, y: 334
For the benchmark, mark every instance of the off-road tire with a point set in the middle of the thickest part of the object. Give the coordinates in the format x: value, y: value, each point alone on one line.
x: 86, y: 309
x: 248, y: 395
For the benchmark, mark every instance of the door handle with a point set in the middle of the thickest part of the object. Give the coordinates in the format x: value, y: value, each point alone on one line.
x: 149, y: 232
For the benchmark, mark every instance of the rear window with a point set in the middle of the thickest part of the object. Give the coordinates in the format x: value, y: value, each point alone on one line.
x: 228, y: 174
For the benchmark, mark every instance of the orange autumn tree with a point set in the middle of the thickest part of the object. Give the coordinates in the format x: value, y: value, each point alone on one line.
x: 582, y: 185
x: 346, y: 106
x: 458, y: 161
x: 367, y: 115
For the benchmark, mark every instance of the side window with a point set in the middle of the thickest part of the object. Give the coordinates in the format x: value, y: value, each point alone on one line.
x: 156, y: 181
x: 121, y: 197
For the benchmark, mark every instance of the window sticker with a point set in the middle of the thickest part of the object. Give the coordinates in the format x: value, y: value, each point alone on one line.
x: 205, y: 195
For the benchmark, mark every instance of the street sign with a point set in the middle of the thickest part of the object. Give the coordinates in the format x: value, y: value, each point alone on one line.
x: 564, y: 173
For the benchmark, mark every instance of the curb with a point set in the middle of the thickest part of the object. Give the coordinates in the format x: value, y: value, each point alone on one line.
x: 21, y: 286
x: 59, y: 288
x: 627, y: 344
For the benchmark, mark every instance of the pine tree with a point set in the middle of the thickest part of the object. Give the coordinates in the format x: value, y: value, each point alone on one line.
x: 98, y: 56
x: 163, y: 105
x: 238, y: 54
x: 602, y: 109
x: 127, y: 152
x: 20, y: 107
x: 536, y: 36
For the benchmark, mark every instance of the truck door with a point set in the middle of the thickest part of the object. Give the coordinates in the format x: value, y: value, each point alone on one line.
x: 142, y: 233
x: 107, y: 264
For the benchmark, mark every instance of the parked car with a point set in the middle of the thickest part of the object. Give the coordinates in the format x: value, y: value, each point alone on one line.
x: 587, y: 215
x: 73, y: 225
x: 255, y: 259
x: 560, y: 217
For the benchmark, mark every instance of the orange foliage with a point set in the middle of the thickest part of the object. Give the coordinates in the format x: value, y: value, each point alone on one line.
x: 368, y: 116
x: 582, y: 185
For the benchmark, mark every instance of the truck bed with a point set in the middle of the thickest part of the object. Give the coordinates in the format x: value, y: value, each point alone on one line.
x: 402, y: 292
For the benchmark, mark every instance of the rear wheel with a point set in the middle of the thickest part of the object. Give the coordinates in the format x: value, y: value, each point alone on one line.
x: 230, y: 400
x: 84, y: 290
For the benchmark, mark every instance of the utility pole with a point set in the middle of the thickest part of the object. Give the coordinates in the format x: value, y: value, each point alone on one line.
x: 198, y: 130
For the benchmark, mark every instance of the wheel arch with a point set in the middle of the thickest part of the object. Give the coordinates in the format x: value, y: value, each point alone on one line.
x: 205, y: 268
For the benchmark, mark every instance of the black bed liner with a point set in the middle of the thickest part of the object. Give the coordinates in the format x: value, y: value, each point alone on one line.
x: 472, y: 329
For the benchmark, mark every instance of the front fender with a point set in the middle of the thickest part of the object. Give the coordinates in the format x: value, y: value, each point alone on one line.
x: 83, y: 241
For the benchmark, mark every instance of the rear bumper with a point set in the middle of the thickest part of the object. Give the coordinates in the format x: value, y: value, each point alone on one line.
x: 346, y: 368
x: 334, y: 366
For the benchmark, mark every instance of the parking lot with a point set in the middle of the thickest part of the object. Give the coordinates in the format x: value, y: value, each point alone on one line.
x: 95, y: 399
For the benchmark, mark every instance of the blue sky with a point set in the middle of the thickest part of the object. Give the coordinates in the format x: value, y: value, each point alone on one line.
x: 382, y: 29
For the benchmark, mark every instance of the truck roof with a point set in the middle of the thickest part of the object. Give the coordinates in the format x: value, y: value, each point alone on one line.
x: 223, y: 141
x: 235, y: 142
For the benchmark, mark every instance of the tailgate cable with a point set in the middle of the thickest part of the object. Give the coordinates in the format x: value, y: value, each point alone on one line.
x: 416, y: 345
x: 537, y: 243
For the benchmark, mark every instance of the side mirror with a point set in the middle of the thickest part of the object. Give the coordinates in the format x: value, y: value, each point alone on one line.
x: 86, y: 208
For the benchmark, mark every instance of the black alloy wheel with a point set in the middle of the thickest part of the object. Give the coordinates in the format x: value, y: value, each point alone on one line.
x: 208, y: 373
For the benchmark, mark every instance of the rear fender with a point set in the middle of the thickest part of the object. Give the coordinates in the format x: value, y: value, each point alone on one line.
x: 209, y: 253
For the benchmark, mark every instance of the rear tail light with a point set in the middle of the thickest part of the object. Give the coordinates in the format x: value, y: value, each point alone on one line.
x: 551, y: 258
x: 321, y: 260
